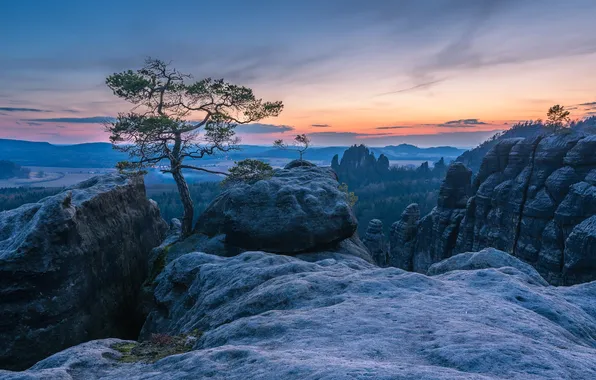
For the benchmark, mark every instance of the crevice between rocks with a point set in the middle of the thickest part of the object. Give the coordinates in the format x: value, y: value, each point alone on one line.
x: 525, y: 197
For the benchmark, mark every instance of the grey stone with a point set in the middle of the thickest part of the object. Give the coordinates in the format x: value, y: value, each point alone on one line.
x: 526, y: 200
x: 401, y: 238
x: 297, y: 210
x: 267, y: 316
x: 72, y: 265
x: 376, y: 242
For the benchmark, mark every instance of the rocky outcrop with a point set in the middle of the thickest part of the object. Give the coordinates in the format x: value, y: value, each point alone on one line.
x: 437, y: 232
x: 297, y: 210
x: 267, y: 316
x: 401, y: 238
x: 531, y: 198
x: 71, y: 267
x: 376, y: 243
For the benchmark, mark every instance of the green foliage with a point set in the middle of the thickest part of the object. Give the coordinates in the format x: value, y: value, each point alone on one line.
x: 557, y: 117
x: 14, y: 197
x: 249, y: 171
x: 9, y: 169
x: 351, y: 197
x: 383, y: 192
x: 157, y: 347
x: 169, y: 202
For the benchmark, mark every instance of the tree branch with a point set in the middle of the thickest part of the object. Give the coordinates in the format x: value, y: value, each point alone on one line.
x: 202, y: 169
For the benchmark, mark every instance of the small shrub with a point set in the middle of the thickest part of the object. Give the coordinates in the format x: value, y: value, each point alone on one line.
x: 249, y: 171
x: 352, y: 198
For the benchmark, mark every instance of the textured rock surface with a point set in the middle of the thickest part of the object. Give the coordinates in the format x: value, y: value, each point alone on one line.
x: 71, y: 267
x: 299, y: 209
x: 376, y: 243
x: 437, y: 231
x: 401, y: 238
x: 529, y: 197
x: 267, y: 316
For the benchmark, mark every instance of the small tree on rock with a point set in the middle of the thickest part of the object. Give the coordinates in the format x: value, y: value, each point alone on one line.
x: 249, y: 171
x: 175, y: 118
x: 557, y: 117
x: 301, y: 144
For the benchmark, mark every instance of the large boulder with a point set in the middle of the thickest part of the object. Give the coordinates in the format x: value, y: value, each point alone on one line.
x: 268, y: 316
x: 528, y: 198
x: 297, y: 210
x: 72, y: 265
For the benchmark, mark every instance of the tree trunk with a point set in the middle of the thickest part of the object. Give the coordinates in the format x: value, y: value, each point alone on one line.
x: 184, y: 192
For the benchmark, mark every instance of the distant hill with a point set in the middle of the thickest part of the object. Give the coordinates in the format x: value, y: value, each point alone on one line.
x: 101, y: 155
x: 88, y: 155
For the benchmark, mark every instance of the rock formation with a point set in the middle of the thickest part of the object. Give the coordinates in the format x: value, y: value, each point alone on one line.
x: 401, y: 238
x: 376, y: 243
x: 71, y: 267
x: 534, y: 198
x: 266, y: 316
x: 298, y: 210
x: 437, y: 232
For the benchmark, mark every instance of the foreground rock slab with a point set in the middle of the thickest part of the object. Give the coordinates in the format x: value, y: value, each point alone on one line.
x: 267, y: 316
x: 71, y: 267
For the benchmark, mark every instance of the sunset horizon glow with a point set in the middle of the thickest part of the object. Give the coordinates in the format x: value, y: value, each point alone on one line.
x: 429, y: 73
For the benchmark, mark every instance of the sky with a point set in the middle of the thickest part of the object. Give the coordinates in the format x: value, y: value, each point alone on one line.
x: 378, y: 72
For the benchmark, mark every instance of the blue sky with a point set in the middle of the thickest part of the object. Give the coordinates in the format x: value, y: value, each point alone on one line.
x: 375, y: 71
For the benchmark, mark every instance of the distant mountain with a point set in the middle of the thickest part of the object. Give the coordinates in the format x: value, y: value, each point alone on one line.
x: 413, y: 152
x: 101, y: 155
x: 28, y: 153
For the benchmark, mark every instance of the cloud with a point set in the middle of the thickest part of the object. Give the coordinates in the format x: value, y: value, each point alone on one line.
x: 263, y: 128
x: 462, y: 123
x: 420, y: 86
x: 34, y: 124
x: 75, y: 120
x: 589, y: 106
x: 457, y: 139
x: 18, y: 109
x: 320, y: 125
x: 393, y: 127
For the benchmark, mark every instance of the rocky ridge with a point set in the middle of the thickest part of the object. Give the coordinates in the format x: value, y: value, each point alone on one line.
x: 534, y: 198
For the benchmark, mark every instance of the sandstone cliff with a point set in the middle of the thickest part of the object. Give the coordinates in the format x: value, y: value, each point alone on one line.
x: 71, y: 267
x: 534, y: 198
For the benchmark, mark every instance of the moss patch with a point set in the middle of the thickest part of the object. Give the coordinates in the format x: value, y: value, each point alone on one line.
x: 156, y: 348
x: 158, y: 265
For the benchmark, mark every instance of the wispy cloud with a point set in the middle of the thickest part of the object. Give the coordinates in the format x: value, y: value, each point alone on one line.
x: 588, y: 106
x: 320, y: 125
x: 465, y: 123
x: 19, y: 109
x: 393, y: 127
x: 417, y: 87
x: 75, y: 120
x: 263, y: 128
